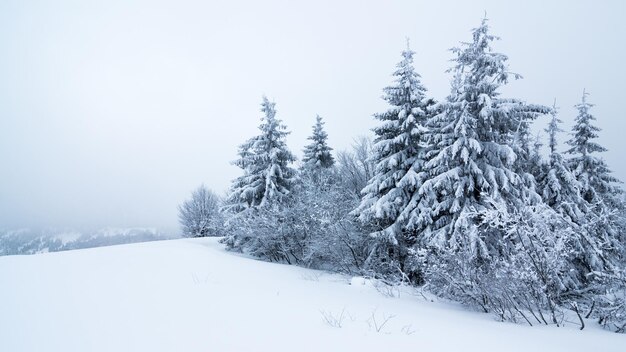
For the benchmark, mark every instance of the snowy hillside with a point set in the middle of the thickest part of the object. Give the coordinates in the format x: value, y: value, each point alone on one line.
x: 191, y: 295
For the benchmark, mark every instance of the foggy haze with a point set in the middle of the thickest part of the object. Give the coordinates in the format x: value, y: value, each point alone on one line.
x: 111, y: 112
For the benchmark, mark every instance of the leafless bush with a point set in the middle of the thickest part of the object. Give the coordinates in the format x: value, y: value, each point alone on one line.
x: 407, y: 329
x: 355, y: 166
x: 199, y: 216
x: 379, y: 324
x: 335, y: 320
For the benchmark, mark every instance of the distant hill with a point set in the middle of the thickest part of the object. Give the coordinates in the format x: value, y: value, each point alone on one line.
x: 26, y: 241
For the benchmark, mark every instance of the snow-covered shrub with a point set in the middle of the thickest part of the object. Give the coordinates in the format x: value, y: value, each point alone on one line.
x: 199, y: 216
x: 335, y: 239
x: 534, y: 273
x: 311, y: 227
x: 524, y: 275
x: 264, y: 232
x: 609, y: 307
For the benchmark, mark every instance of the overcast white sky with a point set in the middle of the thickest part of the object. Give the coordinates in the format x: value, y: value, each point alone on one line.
x: 112, y: 111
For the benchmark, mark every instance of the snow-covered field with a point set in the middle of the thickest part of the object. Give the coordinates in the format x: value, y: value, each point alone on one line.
x: 191, y: 295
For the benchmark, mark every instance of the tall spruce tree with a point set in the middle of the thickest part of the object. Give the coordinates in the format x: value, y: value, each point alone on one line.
x: 560, y: 188
x: 317, y: 154
x: 399, y: 155
x: 603, y: 248
x: 265, y: 160
x: 390, y: 198
x: 591, y: 171
x: 476, y: 139
x: 601, y: 253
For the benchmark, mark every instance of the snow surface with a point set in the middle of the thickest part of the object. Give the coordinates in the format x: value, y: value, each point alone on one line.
x: 191, y: 295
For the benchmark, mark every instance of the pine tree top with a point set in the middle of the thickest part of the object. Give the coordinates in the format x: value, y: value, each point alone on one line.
x: 317, y: 154
x: 584, y: 131
x: 553, y: 128
x: 407, y: 87
x: 591, y: 170
x: 488, y: 68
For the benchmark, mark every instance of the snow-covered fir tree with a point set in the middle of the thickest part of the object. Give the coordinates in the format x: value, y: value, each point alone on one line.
x: 597, y: 183
x: 389, y: 200
x: 476, y: 143
x: 561, y: 192
x: 310, y: 226
x: 602, y: 249
x: 560, y: 188
x: 265, y: 160
x: 479, y: 209
x: 399, y: 154
x: 317, y: 154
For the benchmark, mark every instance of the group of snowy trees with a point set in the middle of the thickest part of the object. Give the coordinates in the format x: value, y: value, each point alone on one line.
x: 453, y: 195
x: 296, y: 216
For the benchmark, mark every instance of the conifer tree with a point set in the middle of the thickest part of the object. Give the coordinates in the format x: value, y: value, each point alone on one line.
x: 389, y: 199
x: 477, y: 147
x: 317, y: 154
x: 603, y: 246
x: 265, y: 160
x: 597, y: 184
x: 560, y: 189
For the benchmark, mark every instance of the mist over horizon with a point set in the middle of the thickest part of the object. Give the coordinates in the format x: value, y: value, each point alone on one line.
x: 112, y: 113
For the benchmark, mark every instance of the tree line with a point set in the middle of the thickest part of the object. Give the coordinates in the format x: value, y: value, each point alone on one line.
x: 453, y: 195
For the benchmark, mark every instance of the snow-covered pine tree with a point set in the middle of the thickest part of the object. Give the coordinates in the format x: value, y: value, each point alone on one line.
x: 598, y: 185
x: 478, y: 204
x: 476, y: 141
x: 532, y: 164
x: 317, y: 154
x: 561, y: 192
x: 601, y: 265
x: 390, y: 197
x: 560, y: 189
x: 265, y: 160
x: 399, y: 154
